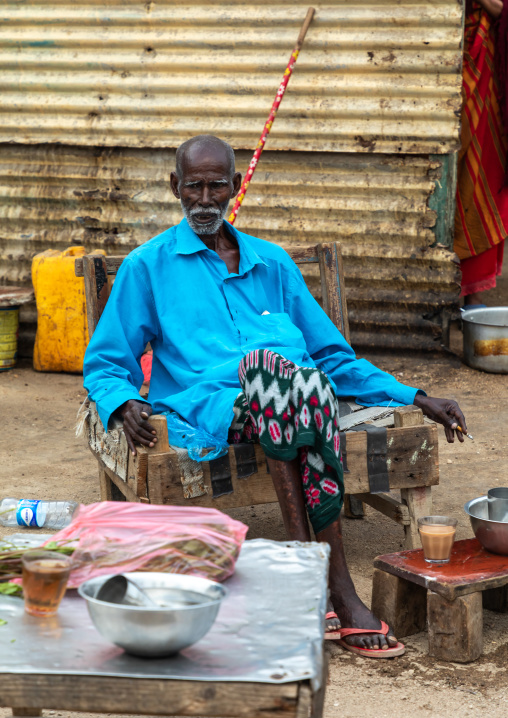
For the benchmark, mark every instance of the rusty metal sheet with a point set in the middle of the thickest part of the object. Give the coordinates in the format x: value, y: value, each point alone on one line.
x: 399, y: 283
x: 373, y: 76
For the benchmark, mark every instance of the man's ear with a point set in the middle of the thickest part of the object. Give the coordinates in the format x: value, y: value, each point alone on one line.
x: 174, y: 182
x: 237, y: 183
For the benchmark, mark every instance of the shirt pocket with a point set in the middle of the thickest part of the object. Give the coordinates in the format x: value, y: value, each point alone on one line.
x: 279, y: 331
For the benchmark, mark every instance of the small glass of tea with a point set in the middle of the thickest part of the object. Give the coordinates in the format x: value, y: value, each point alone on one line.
x: 45, y: 576
x: 437, y: 534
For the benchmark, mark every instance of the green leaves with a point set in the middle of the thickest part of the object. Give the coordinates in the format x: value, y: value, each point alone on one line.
x: 54, y: 546
x: 10, y: 589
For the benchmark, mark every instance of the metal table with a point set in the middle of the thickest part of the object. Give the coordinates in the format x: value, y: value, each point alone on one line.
x: 263, y: 656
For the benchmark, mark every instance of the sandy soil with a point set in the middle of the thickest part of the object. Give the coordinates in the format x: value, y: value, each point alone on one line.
x: 42, y: 458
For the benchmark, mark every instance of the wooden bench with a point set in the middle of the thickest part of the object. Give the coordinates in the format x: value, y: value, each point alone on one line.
x: 402, y: 457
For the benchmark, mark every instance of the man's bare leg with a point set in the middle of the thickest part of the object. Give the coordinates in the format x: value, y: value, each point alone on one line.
x: 353, y: 613
x: 290, y: 494
x: 292, y: 505
x: 350, y: 610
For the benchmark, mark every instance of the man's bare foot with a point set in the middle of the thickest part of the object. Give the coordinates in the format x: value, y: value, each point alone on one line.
x: 351, y: 611
x: 355, y: 614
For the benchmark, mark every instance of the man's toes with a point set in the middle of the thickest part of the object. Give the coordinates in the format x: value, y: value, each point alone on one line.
x: 363, y: 641
x: 332, y: 623
x: 374, y: 642
x: 392, y: 641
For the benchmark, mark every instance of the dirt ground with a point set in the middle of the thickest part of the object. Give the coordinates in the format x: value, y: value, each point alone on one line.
x: 41, y: 457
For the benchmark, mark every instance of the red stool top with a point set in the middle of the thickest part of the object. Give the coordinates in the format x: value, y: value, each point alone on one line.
x: 471, y: 569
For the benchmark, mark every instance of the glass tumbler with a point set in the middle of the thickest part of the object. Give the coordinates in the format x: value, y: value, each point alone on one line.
x: 437, y: 534
x: 45, y: 576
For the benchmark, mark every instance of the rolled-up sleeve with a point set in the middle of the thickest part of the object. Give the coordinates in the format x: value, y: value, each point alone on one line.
x: 332, y: 354
x: 111, y: 370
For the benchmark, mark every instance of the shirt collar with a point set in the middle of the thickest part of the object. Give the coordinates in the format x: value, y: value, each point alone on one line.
x: 188, y: 242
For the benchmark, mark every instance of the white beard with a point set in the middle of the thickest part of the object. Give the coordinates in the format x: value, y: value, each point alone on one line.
x: 210, y: 228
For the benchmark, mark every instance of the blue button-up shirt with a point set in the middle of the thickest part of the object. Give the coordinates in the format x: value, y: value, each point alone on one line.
x: 201, y: 320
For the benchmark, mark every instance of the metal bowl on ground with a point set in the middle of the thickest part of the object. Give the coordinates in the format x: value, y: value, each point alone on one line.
x: 485, y: 335
x: 187, y: 608
x: 493, y: 535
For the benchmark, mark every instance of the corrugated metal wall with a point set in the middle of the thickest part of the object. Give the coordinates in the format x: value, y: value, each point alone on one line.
x: 96, y: 94
x: 375, y: 205
x: 373, y: 76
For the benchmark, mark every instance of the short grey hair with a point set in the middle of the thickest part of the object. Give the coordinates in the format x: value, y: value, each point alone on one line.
x: 206, y: 141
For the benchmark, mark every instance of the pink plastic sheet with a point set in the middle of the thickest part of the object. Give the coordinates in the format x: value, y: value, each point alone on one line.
x: 115, y: 537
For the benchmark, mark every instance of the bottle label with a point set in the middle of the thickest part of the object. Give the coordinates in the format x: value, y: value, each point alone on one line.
x: 26, y: 513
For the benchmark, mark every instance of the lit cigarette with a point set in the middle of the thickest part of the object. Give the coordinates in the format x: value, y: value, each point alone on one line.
x: 459, y: 428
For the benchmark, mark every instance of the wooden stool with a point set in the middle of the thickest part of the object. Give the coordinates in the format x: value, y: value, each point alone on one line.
x: 407, y: 591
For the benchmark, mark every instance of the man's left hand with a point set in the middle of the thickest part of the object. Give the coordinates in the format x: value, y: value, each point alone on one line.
x: 446, y: 412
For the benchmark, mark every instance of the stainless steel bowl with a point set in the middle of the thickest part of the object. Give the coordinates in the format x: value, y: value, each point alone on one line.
x: 493, y: 535
x: 485, y: 334
x: 188, y: 608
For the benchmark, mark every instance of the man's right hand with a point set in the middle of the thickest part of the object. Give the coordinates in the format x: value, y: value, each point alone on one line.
x: 135, y: 424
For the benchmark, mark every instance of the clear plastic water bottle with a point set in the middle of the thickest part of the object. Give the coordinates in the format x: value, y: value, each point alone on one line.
x: 36, y: 514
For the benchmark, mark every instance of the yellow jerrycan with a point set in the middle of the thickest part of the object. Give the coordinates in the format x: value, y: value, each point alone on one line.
x: 62, y: 332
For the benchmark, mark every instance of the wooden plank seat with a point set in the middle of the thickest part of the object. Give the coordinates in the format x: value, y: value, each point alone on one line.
x: 400, y: 458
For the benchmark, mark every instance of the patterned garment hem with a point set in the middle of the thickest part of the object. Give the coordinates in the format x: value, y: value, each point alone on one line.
x: 292, y: 411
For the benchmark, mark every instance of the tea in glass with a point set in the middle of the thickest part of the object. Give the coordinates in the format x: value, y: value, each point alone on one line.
x: 45, y: 576
x: 437, y: 534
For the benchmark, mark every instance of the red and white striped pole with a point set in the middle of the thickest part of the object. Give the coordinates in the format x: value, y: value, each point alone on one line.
x: 271, y: 117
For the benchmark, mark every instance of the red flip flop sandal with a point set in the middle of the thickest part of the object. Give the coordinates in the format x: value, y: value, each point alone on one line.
x: 391, y: 652
x: 332, y: 635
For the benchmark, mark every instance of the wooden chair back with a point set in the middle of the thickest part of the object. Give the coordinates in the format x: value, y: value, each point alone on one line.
x: 95, y: 269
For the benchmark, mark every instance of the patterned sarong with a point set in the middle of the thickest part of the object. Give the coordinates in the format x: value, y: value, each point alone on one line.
x: 292, y: 411
x: 481, y: 219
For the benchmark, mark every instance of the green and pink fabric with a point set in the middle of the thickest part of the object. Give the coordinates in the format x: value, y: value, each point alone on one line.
x: 291, y: 412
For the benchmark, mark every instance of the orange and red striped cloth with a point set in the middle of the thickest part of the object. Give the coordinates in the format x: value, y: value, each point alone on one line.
x: 481, y: 219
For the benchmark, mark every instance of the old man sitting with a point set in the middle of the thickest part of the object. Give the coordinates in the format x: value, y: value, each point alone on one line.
x: 242, y: 350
